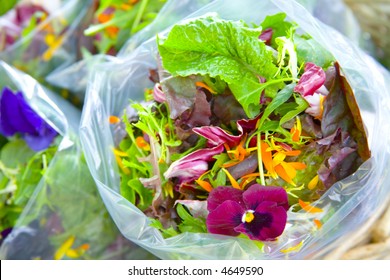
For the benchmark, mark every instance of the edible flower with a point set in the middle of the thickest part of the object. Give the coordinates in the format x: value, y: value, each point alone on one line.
x: 16, y: 116
x: 311, y: 87
x: 260, y: 212
x: 66, y: 249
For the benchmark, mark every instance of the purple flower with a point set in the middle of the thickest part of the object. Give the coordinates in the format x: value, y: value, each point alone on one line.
x: 16, y: 116
x: 311, y: 87
x: 259, y: 212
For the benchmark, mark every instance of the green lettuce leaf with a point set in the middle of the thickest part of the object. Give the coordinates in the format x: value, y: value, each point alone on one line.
x: 279, y: 26
x: 229, y: 50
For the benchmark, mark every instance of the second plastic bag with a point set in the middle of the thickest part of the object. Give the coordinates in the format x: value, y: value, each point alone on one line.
x: 347, y: 204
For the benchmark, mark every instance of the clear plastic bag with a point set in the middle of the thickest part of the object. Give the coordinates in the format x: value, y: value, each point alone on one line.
x: 54, y: 42
x: 347, y: 204
x: 65, y: 207
x: 75, y: 77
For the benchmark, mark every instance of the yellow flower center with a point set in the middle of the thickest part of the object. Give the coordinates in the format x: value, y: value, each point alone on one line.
x: 248, y: 216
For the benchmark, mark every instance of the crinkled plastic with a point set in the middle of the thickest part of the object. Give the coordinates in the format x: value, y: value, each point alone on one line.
x: 347, y: 204
x: 65, y: 203
x: 75, y: 77
x: 38, y: 54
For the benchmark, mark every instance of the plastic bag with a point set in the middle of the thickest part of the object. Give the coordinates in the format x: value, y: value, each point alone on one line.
x: 64, y: 212
x: 50, y: 41
x: 347, y: 204
x: 75, y: 77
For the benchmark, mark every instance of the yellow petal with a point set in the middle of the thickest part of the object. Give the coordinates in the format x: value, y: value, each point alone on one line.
x: 232, y: 180
x: 308, y: 208
x: 313, y: 183
x: 60, y: 253
x: 293, y: 248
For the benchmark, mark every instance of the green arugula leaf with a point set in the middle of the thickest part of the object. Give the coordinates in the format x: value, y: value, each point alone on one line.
x: 229, y: 50
x: 300, y: 105
x: 279, y: 100
x: 189, y: 223
x: 170, y: 232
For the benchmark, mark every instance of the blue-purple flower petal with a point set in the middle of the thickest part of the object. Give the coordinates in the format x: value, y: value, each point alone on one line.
x: 16, y: 116
x: 225, y: 218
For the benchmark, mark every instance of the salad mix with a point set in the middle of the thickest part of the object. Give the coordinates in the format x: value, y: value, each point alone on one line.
x: 245, y: 124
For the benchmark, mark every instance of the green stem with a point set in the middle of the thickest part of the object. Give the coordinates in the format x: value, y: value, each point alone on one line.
x: 260, y: 159
x: 138, y: 17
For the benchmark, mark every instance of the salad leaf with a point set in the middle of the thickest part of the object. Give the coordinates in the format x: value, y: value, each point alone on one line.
x: 219, y: 48
x: 279, y: 26
x: 309, y: 50
x: 6, y: 6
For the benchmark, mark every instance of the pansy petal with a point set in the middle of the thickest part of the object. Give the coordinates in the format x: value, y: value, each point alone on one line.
x: 12, y: 117
x: 32, y: 118
x: 40, y: 142
x: 256, y: 194
x: 225, y: 218
x: 221, y: 194
x: 268, y: 223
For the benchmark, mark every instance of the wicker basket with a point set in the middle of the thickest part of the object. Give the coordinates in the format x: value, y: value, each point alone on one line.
x: 374, y: 18
x: 372, y: 240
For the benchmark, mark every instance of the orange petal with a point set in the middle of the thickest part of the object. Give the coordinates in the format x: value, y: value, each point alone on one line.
x: 297, y: 165
x: 267, y: 159
x: 318, y: 223
x: 141, y: 143
x: 113, y: 119
x: 203, y: 85
x: 292, y: 153
x: 205, y: 185
x: 283, y: 174
x: 308, y: 208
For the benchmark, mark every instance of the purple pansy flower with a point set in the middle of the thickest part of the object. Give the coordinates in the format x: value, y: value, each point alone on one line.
x: 16, y: 116
x: 260, y: 212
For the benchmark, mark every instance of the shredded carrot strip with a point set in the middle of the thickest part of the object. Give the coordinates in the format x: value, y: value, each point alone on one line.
x: 308, y: 208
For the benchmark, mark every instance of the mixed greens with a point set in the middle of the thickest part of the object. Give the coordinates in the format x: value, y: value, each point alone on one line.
x: 244, y: 123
